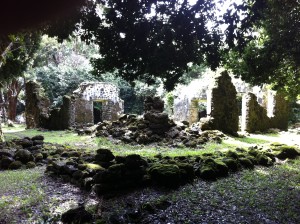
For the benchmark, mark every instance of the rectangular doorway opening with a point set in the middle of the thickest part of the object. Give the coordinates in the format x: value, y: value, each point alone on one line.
x: 97, y: 111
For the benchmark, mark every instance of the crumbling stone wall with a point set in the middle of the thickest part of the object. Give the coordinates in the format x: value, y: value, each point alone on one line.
x: 223, y: 105
x: 37, y: 105
x: 254, y: 116
x: 281, y: 112
x: 257, y: 118
x: 154, y: 104
x: 158, y: 121
x: 60, y: 118
x: 193, y: 111
x: 181, y: 109
x: 90, y: 92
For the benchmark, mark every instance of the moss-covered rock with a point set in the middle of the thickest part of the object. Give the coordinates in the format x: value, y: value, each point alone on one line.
x: 92, y: 166
x: 113, y: 174
x: 78, y: 174
x: 77, y: 215
x: 15, y: 165
x: 38, y: 157
x: 264, y: 160
x: 207, y: 172
x: 231, y: 163
x: 38, y: 137
x: 232, y: 154
x: 30, y: 165
x: 246, y: 163
x: 253, y: 151
x: 287, y: 152
x: 24, y: 156
x: 213, y: 168
x: 221, y: 168
x: 186, y: 171
x: 104, y: 155
x: 5, y: 162
x: 134, y: 161
x: 165, y: 174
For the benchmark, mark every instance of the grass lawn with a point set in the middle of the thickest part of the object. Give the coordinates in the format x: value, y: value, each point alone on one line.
x: 20, y: 191
x: 273, y: 192
x: 60, y: 137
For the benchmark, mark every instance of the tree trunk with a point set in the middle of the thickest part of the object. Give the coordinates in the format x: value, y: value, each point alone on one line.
x: 2, y: 107
x: 3, y: 55
x: 1, y: 134
x: 12, y: 108
x: 14, y: 89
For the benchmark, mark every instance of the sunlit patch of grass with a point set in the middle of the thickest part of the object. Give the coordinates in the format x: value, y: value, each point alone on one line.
x: 272, y: 134
x: 150, y: 150
x: 19, y: 190
x: 251, y: 140
x: 59, y: 137
x: 276, y: 186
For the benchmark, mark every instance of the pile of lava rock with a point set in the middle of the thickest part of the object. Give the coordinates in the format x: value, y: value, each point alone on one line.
x: 107, y: 173
x: 26, y: 152
x: 156, y: 127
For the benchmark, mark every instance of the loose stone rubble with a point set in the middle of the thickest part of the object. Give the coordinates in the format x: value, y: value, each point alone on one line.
x: 106, y: 173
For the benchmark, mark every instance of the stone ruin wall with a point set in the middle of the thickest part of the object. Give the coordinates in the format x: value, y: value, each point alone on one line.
x: 60, y: 118
x: 181, y: 109
x: 37, y: 105
x: 76, y: 109
x: 222, y: 105
x: 186, y: 105
x: 90, y: 92
x: 262, y: 109
x: 255, y: 117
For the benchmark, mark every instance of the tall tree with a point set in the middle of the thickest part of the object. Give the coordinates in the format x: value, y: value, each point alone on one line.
x: 273, y: 54
x: 18, y: 58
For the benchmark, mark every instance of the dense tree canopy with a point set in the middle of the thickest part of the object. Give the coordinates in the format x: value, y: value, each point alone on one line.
x: 146, y: 39
x: 273, y: 55
x: 20, y: 54
x: 150, y: 38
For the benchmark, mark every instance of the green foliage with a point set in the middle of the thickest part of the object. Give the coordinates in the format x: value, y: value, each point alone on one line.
x: 61, y: 67
x: 149, y: 39
x: 170, y: 102
x: 272, y: 56
x: 19, y: 57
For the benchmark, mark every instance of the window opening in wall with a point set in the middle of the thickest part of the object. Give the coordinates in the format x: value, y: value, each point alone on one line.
x: 97, y: 111
x: 202, y: 112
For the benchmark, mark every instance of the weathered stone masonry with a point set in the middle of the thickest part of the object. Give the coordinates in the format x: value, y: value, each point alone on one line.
x: 257, y: 118
x: 37, y: 105
x: 222, y: 104
x: 261, y: 108
x: 90, y: 92
x: 77, y: 109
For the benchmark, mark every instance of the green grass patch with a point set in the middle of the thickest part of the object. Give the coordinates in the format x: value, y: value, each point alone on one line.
x: 20, y: 191
x: 120, y: 148
x: 60, y: 137
x: 150, y: 151
x: 272, y: 191
x: 272, y: 134
x: 251, y: 140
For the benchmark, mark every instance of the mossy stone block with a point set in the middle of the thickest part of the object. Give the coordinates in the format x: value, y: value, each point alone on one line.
x: 165, y: 174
